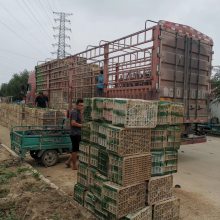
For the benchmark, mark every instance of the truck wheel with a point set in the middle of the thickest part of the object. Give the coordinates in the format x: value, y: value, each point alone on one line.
x: 49, y: 158
x: 34, y: 154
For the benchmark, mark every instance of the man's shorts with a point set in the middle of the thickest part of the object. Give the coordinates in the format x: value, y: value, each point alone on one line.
x: 75, y: 142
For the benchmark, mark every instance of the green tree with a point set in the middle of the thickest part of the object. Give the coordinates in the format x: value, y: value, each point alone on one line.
x: 16, y: 86
x: 215, y: 84
x: 3, y: 89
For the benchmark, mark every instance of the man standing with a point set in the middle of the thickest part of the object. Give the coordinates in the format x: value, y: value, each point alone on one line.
x: 41, y: 101
x: 75, y: 132
x: 100, y: 83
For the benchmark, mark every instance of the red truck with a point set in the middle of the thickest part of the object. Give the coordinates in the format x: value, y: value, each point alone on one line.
x: 164, y: 61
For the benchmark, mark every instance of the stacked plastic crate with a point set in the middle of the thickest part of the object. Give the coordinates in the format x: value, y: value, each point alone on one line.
x: 165, y: 142
x: 165, y: 139
x: 40, y: 79
x: 115, y: 159
x: 20, y: 115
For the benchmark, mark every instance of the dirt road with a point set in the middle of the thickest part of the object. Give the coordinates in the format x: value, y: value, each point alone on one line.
x: 63, y: 177
x: 198, y: 176
x: 23, y: 194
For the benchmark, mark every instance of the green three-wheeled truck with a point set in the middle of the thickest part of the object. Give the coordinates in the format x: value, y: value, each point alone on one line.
x: 44, y: 143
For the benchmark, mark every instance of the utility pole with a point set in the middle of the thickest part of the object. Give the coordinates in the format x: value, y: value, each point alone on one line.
x: 61, y: 45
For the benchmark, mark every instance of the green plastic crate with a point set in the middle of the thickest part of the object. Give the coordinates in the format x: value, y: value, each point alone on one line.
x: 103, y: 162
x: 79, y: 193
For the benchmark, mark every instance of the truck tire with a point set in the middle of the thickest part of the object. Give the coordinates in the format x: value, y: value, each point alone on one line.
x: 34, y: 154
x: 49, y: 158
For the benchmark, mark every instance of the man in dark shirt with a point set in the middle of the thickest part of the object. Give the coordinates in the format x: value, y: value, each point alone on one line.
x: 75, y: 132
x: 41, y: 100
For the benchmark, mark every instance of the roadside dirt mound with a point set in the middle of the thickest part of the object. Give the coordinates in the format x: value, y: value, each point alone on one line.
x: 23, y: 195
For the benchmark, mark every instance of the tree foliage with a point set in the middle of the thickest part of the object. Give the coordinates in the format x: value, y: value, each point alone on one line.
x: 16, y: 86
x: 215, y: 84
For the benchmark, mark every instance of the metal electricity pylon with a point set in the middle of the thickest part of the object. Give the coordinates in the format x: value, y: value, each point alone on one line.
x: 61, y: 44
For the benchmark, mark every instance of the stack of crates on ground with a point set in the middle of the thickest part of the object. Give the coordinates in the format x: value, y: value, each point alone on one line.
x: 161, y: 198
x: 166, y: 138
x: 11, y: 114
x: 165, y: 142
x: 41, y: 117
x: 115, y: 158
x: 127, y: 156
x: 20, y: 115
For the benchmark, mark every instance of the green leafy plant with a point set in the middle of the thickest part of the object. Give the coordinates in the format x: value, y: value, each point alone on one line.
x: 56, y: 217
x: 215, y: 84
x: 16, y: 86
x: 5, y: 176
x: 4, y: 192
x: 10, y: 215
x: 23, y: 170
x: 36, y: 175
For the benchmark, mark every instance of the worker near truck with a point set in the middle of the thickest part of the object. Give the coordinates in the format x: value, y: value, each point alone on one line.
x: 100, y: 84
x: 41, y: 100
x: 75, y: 132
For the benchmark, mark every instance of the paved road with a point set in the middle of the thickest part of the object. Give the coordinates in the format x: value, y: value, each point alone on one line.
x: 199, y: 168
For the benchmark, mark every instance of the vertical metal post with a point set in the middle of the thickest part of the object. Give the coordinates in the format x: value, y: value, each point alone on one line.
x: 189, y: 78
x: 185, y: 75
x: 70, y: 87
x: 117, y: 74
x: 106, y: 63
x: 175, y: 73
x: 48, y: 85
x: 155, y: 61
x: 197, y: 81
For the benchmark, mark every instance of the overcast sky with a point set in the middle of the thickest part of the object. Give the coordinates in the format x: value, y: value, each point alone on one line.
x: 26, y: 32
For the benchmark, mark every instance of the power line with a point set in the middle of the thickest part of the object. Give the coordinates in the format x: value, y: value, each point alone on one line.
x: 17, y: 54
x: 17, y: 35
x: 16, y: 19
x: 26, y: 11
x: 5, y: 63
x: 31, y: 12
x: 44, y: 9
x: 56, y: 5
x: 11, y: 14
x: 28, y: 14
x: 8, y: 61
x: 50, y: 7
